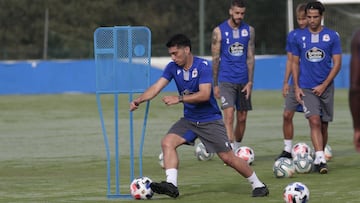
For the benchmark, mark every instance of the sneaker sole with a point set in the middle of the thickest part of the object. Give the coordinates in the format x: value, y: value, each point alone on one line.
x: 323, y: 171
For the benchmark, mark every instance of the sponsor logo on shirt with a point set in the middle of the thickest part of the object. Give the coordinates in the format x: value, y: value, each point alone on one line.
x: 315, y: 55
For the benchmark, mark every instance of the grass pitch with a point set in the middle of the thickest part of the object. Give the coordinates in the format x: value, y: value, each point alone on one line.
x: 52, y: 150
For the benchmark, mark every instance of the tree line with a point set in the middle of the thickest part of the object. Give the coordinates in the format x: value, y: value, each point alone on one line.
x: 71, y: 24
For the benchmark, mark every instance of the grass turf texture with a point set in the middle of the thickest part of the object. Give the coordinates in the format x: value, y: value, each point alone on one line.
x: 52, y: 150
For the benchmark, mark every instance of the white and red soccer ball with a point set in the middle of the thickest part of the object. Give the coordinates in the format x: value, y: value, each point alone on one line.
x: 140, y: 188
x: 246, y: 153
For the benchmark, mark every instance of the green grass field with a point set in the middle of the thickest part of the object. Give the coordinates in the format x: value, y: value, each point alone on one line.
x: 52, y: 150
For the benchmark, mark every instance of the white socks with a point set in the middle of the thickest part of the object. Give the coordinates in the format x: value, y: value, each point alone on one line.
x: 254, y: 181
x: 237, y: 145
x: 287, y: 145
x: 319, y: 157
x: 171, y: 176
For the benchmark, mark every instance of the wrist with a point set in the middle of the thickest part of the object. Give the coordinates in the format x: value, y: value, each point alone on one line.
x: 181, y: 98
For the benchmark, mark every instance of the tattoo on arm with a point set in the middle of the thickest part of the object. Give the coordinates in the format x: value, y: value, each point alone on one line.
x: 215, y: 52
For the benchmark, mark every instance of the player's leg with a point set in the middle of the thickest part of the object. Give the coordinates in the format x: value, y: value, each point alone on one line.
x: 243, y: 105
x: 312, y: 109
x: 229, y: 122
x: 290, y: 107
x: 213, y: 136
x: 178, y: 134
x: 228, y: 97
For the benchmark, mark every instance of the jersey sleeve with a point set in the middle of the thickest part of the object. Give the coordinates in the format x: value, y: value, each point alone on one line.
x: 167, y: 73
x: 206, y: 72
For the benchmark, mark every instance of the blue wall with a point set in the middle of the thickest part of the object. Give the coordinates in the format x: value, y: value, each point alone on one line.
x: 52, y: 77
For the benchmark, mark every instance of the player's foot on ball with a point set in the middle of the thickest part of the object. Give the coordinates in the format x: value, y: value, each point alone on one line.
x: 284, y: 154
x: 322, y: 168
x: 260, y: 191
x: 165, y: 188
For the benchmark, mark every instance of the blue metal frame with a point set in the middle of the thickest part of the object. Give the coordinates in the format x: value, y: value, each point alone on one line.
x: 113, y: 90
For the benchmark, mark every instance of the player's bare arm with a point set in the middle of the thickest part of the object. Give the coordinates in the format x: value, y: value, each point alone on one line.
x: 285, y: 89
x: 215, y: 52
x: 250, y: 60
x: 150, y: 93
x: 318, y: 90
x: 201, y: 96
x: 295, y: 74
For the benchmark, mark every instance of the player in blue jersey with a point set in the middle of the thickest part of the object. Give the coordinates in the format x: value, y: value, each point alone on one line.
x: 202, y: 116
x: 317, y: 59
x: 354, y: 91
x: 233, y: 58
x: 291, y: 104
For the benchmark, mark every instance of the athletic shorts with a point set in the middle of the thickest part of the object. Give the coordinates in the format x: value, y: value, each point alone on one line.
x: 212, y: 134
x: 291, y: 104
x: 231, y: 96
x: 319, y: 105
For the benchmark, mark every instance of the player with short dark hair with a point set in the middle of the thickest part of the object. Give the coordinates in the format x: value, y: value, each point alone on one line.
x: 202, y: 116
x: 316, y: 60
x: 233, y: 59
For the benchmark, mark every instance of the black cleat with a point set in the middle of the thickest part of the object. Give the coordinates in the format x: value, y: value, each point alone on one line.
x: 260, y: 192
x: 165, y: 188
x: 322, y: 168
x: 284, y: 154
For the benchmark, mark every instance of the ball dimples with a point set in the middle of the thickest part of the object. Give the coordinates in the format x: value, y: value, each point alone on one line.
x: 140, y: 188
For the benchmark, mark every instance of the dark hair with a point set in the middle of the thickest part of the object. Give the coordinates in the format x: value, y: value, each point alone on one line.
x: 238, y: 3
x: 315, y: 5
x: 179, y: 40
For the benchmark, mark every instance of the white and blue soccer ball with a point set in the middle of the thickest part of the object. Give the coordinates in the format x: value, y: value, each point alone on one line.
x: 246, y: 153
x: 201, y: 152
x: 283, y: 168
x: 303, y: 162
x: 296, y: 192
x: 140, y: 188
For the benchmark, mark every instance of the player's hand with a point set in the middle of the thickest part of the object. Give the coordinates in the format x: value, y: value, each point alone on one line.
x: 134, y: 105
x: 217, y: 92
x: 285, y: 89
x: 170, y: 100
x: 247, y: 90
x: 299, y: 94
x: 318, y: 90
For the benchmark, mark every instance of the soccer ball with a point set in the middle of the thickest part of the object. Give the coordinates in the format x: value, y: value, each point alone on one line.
x: 283, y: 168
x: 140, y: 188
x: 303, y: 162
x: 246, y: 153
x: 300, y: 147
x: 201, y: 153
x: 296, y: 192
x: 161, y: 159
x: 328, y: 152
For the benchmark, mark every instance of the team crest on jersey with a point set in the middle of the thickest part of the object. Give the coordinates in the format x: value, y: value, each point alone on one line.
x: 315, y: 54
x: 178, y: 71
x: 326, y: 38
x: 236, y: 49
x: 194, y: 73
x: 244, y: 33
